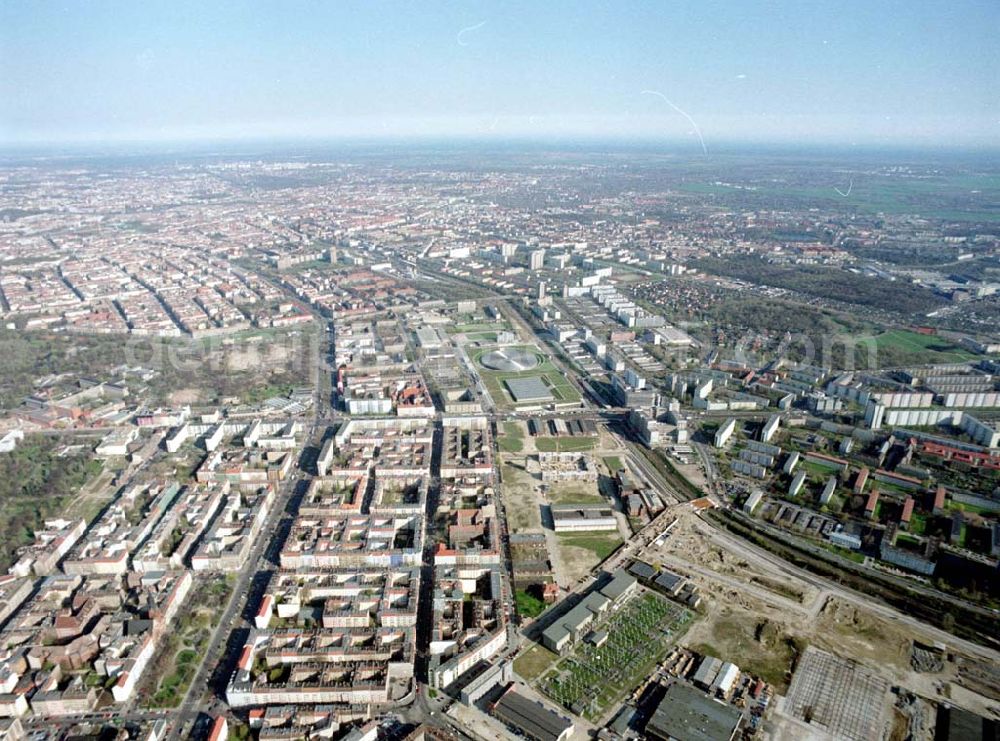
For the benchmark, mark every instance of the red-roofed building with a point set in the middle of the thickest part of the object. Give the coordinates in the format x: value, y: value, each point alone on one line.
x: 220, y: 729
x: 442, y: 550
x: 550, y: 592
x: 861, y: 480
x: 904, y: 518
x: 246, y: 658
x: 871, y: 504
x: 263, y: 616
x: 939, y: 496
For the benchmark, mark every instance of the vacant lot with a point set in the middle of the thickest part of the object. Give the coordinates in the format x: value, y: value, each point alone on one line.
x: 757, y: 646
x: 845, y: 629
x: 523, y: 513
x: 614, y: 464
x: 532, y: 663
x: 512, y: 438
x: 575, y: 492
x: 565, y: 444
x: 581, y: 552
x: 688, y: 541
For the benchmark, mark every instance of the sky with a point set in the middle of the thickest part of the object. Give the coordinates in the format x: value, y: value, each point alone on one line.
x: 698, y: 73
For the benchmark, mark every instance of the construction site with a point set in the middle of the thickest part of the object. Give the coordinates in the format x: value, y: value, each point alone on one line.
x: 807, y: 638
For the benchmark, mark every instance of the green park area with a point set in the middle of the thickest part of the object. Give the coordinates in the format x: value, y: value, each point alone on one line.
x: 528, y: 603
x: 40, y: 479
x: 185, y: 643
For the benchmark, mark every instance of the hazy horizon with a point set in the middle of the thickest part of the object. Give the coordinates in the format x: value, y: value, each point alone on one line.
x: 900, y: 74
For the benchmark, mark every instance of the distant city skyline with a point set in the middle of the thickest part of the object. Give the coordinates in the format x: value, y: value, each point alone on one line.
x: 921, y: 73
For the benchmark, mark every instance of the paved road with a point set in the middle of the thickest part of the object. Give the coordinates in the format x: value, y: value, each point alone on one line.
x: 254, y: 567
x: 191, y: 704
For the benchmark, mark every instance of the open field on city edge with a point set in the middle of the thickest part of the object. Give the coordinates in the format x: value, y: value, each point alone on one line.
x: 591, y: 679
x: 882, y: 194
x: 931, y: 349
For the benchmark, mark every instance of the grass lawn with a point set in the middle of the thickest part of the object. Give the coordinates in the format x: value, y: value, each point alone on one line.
x: 481, y: 337
x: 966, y: 507
x: 532, y: 663
x: 565, y: 444
x: 816, y: 471
x: 512, y: 439
x: 918, y: 523
x: 528, y: 605
x: 602, y: 544
x: 848, y: 554
x: 561, y: 387
x: 575, y: 492
x: 614, y: 464
x: 934, y: 349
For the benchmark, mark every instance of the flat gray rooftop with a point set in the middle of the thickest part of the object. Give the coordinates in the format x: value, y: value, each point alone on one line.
x: 532, y: 388
x: 532, y: 718
x: 688, y: 714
